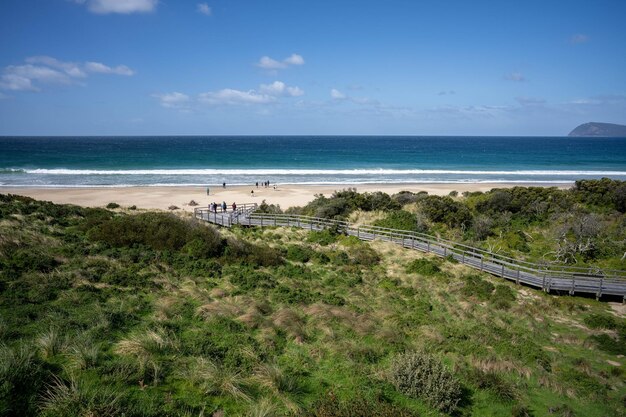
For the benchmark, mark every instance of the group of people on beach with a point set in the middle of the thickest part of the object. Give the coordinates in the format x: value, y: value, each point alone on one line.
x: 213, y: 207
x: 265, y: 184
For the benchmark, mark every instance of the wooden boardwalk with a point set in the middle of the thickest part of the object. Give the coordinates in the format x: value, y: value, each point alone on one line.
x: 560, y: 279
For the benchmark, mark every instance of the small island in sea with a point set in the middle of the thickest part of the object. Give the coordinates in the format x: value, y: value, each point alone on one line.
x: 595, y: 129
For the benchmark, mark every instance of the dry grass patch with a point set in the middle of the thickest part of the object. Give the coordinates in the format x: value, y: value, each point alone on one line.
x: 226, y: 307
x: 290, y: 322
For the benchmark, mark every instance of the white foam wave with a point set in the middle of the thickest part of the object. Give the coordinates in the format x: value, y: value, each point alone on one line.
x: 355, y: 172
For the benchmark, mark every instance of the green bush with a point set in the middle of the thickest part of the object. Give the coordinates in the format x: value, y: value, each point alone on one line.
x: 477, y: 287
x: 423, y: 267
x: 422, y: 376
x: 600, y: 321
x: 248, y: 279
x: 399, y: 219
x: 111, y: 206
x: 615, y: 346
x: 298, y: 253
x: 159, y: 231
x: 324, y: 237
x: 503, y: 297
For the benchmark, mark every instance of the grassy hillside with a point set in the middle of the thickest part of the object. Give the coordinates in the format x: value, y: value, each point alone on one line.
x: 107, y: 313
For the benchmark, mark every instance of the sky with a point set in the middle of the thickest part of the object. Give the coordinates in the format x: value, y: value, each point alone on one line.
x: 295, y: 67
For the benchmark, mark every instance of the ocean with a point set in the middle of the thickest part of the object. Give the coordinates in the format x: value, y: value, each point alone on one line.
x: 212, y: 160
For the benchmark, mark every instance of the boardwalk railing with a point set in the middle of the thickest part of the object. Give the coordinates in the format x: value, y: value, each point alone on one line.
x: 549, y: 277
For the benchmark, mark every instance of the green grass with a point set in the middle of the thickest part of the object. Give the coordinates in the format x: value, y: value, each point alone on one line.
x: 99, y: 317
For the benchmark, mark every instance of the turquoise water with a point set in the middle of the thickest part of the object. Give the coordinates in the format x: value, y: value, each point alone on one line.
x: 129, y: 161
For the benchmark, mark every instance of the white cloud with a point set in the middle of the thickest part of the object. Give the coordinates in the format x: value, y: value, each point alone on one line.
x: 337, y: 95
x: 70, y: 68
x: 579, y: 38
x: 172, y: 100
x: 232, y: 96
x: 294, y: 59
x: 271, y: 64
x: 515, y: 76
x: 40, y: 70
x: 279, y: 88
x: 204, y: 9
x: 119, y: 6
x: 100, y: 68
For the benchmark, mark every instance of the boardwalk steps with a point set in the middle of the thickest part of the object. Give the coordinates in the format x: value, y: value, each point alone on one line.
x: 548, y: 277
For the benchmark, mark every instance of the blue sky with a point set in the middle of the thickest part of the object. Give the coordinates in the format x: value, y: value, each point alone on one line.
x: 163, y: 67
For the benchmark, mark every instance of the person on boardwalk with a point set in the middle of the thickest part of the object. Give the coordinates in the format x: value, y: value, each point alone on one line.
x: 214, y: 208
x: 224, y: 206
x: 234, y: 206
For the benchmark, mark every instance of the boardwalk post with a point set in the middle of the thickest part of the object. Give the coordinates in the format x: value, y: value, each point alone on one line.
x: 481, y: 263
x: 599, y: 294
x: 428, y: 247
x: 358, y: 232
x: 543, y: 284
x: 517, y: 279
x: 275, y: 221
x: 463, y: 257
x: 502, y: 274
x: 445, y: 250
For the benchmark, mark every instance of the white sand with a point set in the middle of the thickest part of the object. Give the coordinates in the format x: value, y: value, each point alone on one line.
x: 285, y: 195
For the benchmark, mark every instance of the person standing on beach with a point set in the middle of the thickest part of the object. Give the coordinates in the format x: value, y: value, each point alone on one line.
x: 223, y: 185
x: 257, y: 184
x: 207, y: 190
x: 252, y: 193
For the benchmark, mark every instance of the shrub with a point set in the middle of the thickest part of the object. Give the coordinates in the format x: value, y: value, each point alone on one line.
x: 112, y: 206
x: 159, y: 231
x: 248, y: 279
x: 446, y: 210
x: 399, y: 219
x: 610, y: 345
x: 324, y: 237
x: 422, y: 376
x: 299, y: 253
x: 423, y: 267
x: 477, y: 287
x: 600, y: 321
x: 503, y: 297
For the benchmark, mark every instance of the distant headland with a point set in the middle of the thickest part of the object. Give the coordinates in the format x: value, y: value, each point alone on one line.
x: 600, y: 130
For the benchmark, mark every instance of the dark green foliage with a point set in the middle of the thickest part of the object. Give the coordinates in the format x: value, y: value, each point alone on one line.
x: 159, y: 231
x: 615, y: 346
x: 324, y: 237
x: 603, y: 193
x: 342, y: 203
x: 600, y: 321
x: 399, y: 219
x: 251, y: 254
x: 477, y: 287
x: 331, y: 406
x: 562, y: 410
x: 423, y: 267
x: 248, y: 279
x: 502, y: 388
x: 294, y: 295
x: 503, y: 297
x: 423, y: 376
x: 111, y: 206
x: 22, y: 376
x: 446, y: 210
x: 18, y: 261
x: 298, y: 253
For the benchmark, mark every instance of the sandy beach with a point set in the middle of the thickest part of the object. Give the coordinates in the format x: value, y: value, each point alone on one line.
x: 284, y: 195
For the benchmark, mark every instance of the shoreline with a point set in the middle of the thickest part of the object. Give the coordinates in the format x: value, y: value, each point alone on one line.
x: 288, y: 195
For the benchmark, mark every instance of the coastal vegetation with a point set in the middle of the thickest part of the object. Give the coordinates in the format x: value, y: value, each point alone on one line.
x: 138, y: 313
